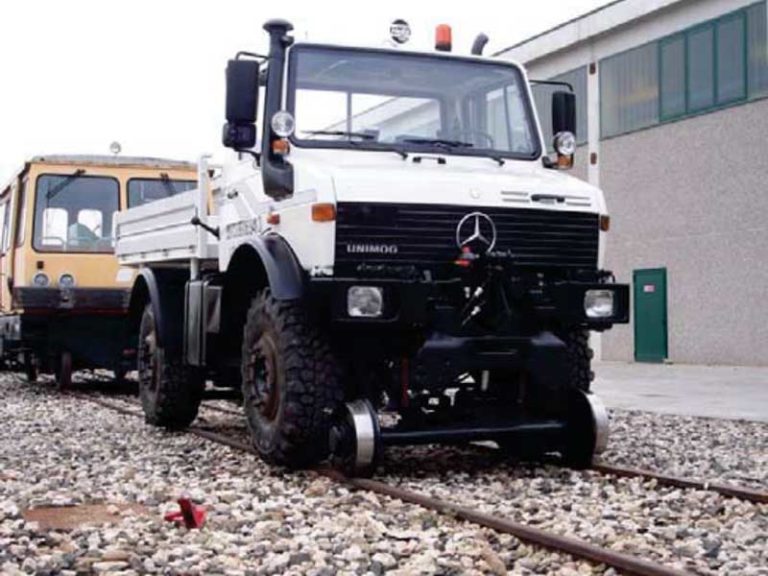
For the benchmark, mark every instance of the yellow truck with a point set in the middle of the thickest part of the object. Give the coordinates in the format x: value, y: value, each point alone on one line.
x: 63, y: 295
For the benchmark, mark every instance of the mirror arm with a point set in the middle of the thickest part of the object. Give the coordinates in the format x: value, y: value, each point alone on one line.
x: 261, y: 57
x: 256, y: 155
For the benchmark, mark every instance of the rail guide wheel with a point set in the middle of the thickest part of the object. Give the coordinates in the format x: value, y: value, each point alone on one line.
x: 355, y: 439
x: 587, y: 430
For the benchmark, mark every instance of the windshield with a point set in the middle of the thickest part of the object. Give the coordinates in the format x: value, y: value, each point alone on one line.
x: 143, y: 190
x: 380, y: 99
x: 74, y: 213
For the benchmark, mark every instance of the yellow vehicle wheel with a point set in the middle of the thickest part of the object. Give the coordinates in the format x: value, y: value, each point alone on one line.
x: 64, y: 370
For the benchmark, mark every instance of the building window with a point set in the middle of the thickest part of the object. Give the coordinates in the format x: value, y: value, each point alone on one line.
x: 710, y: 65
x: 629, y: 91
x: 757, y: 51
x: 731, y: 58
x: 672, y: 62
x: 542, y: 96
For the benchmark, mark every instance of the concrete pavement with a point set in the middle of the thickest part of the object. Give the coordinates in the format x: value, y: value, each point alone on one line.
x: 733, y: 392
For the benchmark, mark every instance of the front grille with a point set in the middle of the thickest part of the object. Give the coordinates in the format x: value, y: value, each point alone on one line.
x: 424, y: 235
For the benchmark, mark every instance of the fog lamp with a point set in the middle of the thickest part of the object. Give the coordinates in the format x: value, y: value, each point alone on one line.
x: 66, y: 280
x: 365, y: 302
x: 598, y: 303
x: 41, y: 280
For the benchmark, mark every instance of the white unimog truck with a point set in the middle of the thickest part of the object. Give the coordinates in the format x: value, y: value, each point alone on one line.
x: 399, y: 243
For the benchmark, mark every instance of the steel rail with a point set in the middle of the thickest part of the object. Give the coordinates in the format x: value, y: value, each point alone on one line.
x: 627, y: 564
x: 730, y: 490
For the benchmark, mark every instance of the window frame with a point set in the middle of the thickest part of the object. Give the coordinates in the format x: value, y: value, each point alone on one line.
x: 525, y: 93
x: 34, y: 214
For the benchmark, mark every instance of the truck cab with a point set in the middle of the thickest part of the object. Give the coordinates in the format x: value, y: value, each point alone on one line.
x: 398, y: 243
x: 63, y: 295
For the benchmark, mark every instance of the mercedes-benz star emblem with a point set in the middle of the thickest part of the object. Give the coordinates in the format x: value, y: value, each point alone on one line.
x: 476, y: 229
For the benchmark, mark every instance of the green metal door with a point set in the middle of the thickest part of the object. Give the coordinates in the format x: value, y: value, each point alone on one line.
x: 650, y: 288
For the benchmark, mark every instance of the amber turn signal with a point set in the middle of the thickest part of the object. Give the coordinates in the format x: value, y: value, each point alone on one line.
x: 281, y: 147
x: 273, y: 218
x: 605, y: 222
x: 323, y: 212
x: 564, y: 162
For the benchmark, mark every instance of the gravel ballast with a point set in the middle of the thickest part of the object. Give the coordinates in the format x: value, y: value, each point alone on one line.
x: 64, y: 452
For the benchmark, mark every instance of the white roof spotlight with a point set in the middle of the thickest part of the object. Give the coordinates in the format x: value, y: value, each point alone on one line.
x: 400, y: 31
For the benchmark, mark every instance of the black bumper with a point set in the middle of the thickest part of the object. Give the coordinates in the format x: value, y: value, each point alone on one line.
x: 75, y: 300
x: 414, y: 303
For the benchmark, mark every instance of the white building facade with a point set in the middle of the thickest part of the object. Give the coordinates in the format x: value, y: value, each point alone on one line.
x: 673, y: 124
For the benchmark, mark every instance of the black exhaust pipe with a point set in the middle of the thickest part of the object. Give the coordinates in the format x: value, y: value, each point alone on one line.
x: 479, y: 44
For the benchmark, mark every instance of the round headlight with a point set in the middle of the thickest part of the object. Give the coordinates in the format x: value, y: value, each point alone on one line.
x: 66, y: 280
x: 565, y: 143
x: 41, y: 280
x: 283, y: 123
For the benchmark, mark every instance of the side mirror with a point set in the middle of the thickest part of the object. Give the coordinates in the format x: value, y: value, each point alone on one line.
x: 242, y: 104
x: 563, y: 112
x: 564, y: 129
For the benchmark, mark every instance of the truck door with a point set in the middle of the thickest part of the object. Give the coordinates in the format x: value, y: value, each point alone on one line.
x: 650, y: 315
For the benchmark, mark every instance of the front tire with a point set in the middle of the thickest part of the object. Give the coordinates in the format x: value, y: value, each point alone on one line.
x: 291, y: 384
x: 579, y: 359
x: 170, y: 394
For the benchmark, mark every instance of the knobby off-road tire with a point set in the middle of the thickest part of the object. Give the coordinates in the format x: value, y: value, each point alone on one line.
x: 170, y: 394
x: 291, y: 383
x: 578, y: 451
x: 580, y: 355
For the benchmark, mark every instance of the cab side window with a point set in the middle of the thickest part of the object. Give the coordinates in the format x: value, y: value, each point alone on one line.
x: 22, y: 211
x: 4, y: 224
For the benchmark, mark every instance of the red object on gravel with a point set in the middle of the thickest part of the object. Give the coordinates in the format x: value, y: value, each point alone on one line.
x: 190, y: 515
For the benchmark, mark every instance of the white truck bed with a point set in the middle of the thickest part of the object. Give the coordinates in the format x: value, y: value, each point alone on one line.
x: 162, y: 231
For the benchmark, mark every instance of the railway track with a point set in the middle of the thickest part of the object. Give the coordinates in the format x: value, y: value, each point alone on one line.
x: 625, y: 563
x: 729, y: 490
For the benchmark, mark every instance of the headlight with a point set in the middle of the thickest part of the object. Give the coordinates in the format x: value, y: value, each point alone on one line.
x: 565, y: 143
x: 66, y: 280
x: 598, y: 303
x: 41, y: 280
x: 365, y: 302
x: 283, y: 124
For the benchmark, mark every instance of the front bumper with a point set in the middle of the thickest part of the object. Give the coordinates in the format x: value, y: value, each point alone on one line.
x: 35, y: 300
x: 416, y: 303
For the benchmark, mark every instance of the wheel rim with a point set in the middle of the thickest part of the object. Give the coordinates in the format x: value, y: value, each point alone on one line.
x: 266, y: 384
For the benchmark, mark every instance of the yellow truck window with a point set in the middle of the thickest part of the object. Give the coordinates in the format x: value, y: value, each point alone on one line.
x: 74, y: 213
x: 143, y: 190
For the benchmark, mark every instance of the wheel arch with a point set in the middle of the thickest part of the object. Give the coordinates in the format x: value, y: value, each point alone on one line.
x: 163, y: 289
x: 257, y: 264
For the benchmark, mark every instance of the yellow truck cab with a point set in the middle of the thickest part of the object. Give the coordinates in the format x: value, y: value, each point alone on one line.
x: 63, y: 295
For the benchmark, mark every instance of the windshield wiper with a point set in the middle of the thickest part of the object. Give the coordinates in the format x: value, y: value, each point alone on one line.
x: 63, y: 184
x: 449, y: 144
x: 363, y: 135
x: 439, y: 142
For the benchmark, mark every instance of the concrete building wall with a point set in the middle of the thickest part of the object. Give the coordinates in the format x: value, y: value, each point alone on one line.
x: 692, y: 196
